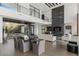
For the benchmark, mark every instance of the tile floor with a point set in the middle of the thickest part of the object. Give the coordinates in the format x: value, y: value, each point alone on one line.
x: 57, y: 48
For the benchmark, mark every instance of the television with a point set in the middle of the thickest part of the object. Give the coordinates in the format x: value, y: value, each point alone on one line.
x: 57, y: 29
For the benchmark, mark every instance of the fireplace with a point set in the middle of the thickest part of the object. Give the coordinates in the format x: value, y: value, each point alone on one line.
x: 57, y: 29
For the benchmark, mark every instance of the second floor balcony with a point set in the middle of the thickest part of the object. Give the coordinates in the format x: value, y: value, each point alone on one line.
x: 32, y: 11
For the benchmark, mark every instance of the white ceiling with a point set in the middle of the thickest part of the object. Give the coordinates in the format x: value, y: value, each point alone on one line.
x: 40, y: 6
x: 44, y: 7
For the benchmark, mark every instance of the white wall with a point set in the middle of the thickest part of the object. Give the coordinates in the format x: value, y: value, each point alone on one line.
x: 70, y: 16
x: 78, y: 18
x: 47, y: 14
x: 1, y: 29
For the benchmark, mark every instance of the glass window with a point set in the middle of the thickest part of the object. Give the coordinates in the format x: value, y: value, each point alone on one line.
x: 22, y: 9
x: 34, y: 11
x: 37, y: 14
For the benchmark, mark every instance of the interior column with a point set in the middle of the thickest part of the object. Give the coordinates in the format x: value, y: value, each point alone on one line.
x: 1, y: 29
x: 36, y: 29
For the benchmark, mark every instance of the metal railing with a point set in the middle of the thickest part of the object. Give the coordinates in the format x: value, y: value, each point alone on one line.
x: 27, y: 11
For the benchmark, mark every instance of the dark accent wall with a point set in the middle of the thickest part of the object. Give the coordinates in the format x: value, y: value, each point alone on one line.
x: 58, y: 21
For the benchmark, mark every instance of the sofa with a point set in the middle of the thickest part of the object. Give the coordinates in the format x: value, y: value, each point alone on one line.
x: 72, y: 47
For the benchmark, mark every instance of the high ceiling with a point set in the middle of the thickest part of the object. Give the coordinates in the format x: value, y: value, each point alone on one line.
x: 46, y: 6
x: 50, y: 5
x: 40, y: 6
x: 45, y: 9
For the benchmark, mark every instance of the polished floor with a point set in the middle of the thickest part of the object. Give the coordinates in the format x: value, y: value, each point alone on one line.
x: 57, y: 48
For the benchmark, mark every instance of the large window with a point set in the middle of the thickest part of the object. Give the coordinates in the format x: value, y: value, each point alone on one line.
x: 10, y: 6
x: 22, y: 9
x: 34, y: 11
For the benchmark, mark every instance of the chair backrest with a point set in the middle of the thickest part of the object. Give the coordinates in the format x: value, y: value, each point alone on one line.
x: 72, y: 42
